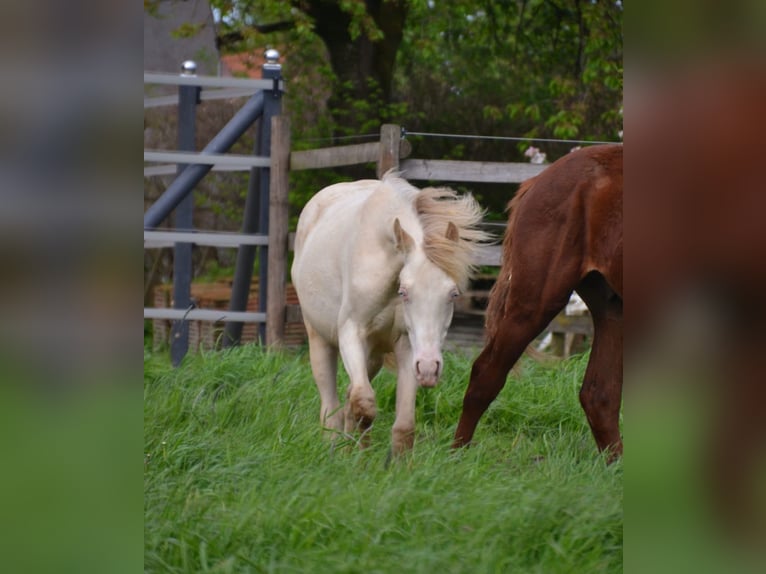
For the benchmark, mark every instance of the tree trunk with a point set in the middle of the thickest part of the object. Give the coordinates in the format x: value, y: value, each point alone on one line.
x: 360, y: 65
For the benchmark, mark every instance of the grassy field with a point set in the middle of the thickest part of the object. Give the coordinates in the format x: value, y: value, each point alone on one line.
x: 238, y: 479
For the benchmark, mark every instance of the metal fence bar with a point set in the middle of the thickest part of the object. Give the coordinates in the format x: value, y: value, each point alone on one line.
x: 256, y: 215
x: 188, y: 97
x: 213, y: 315
x: 159, y: 239
x: 207, y: 81
x: 206, y: 158
x: 192, y: 175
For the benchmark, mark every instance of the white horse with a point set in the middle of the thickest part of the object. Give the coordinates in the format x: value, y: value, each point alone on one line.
x: 378, y: 265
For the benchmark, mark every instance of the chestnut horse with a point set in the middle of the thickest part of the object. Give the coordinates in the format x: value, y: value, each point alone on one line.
x: 564, y: 234
x: 378, y: 265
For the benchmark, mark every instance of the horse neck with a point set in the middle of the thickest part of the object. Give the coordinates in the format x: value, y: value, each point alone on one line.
x: 399, y: 204
x: 377, y: 227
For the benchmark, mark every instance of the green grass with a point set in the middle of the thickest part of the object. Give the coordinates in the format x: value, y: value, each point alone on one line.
x: 238, y: 479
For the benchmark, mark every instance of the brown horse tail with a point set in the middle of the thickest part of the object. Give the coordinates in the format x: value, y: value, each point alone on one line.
x: 501, y: 290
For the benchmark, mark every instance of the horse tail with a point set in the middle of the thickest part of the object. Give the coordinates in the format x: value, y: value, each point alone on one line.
x: 499, y: 295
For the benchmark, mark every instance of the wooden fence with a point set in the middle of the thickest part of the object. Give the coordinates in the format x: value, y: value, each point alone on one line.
x: 390, y: 151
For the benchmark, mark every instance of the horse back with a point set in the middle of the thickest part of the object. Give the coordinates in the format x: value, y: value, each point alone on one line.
x: 568, y: 217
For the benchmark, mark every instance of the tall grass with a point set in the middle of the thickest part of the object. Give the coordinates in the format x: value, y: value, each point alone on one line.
x: 238, y: 478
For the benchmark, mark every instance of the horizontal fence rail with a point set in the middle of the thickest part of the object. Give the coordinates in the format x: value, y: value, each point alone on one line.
x: 342, y: 155
x: 232, y: 161
x: 160, y: 239
x: 210, y: 81
x: 213, y: 315
x: 472, y: 171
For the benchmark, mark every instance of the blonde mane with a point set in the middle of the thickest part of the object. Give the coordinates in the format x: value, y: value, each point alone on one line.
x: 436, y: 208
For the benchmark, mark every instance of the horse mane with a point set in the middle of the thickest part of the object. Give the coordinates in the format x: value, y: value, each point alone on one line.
x: 498, y: 295
x: 436, y: 207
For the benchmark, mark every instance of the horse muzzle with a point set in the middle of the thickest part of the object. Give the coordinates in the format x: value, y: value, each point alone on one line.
x: 428, y: 371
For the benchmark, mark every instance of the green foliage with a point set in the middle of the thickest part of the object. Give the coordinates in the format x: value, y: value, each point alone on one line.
x: 238, y: 479
x: 528, y: 68
x: 532, y: 68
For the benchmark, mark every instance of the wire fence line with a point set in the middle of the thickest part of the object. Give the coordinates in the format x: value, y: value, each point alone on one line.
x: 406, y: 133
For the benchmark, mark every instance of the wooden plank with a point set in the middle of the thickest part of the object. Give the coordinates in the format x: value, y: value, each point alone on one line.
x: 388, y: 151
x: 343, y: 155
x: 490, y: 255
x: 278, y: 230
x: 472, y: 171
x: 335, y: 156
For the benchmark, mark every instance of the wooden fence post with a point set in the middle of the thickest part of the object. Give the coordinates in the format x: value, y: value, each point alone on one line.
x: 278, y: 230
x: 390, y: 135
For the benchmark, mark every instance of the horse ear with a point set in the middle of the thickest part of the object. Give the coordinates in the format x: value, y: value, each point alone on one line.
x: 452, y: 232
x: 403, y: 240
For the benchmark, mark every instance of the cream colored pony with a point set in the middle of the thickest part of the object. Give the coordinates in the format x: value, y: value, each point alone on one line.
x: 378, y: 265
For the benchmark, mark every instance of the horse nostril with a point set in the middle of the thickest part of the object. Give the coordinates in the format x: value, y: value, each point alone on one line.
x: 417, y: 367
x: 438, y: 367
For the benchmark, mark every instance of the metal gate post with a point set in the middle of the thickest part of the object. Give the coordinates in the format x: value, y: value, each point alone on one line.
x: 256, y: 217
x: 188, y: 98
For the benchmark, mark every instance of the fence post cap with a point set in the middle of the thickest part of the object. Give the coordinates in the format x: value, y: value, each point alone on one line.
x: 189, y: 68
x: 272, y: 56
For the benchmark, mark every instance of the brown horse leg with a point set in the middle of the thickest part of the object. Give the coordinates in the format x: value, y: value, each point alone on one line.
x: 601, y: 391
x: 491, y: 367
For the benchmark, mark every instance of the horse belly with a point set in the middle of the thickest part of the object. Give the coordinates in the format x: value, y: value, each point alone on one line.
x: 319, y: 288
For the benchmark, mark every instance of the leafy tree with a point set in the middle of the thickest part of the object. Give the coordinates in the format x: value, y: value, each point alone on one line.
x: 521, y: 68
x: 359, y: 38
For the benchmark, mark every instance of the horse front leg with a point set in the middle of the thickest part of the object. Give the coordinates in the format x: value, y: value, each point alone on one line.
x: 490, y: 369
x: 403, y: 431
x: 488, y: 375
x: 360, y: 409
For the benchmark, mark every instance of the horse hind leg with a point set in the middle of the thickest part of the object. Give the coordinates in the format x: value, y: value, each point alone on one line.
x: 324, y: 366
x: 601, y: 391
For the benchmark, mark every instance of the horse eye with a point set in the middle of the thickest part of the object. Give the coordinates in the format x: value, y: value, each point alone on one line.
x: 403, y: 292
x: 454, y: 294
